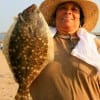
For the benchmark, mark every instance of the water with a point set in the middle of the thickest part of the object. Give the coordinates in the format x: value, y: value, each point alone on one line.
x: 2, y: 35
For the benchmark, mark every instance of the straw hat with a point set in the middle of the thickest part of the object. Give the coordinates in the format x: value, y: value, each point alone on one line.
x: 90, y: 10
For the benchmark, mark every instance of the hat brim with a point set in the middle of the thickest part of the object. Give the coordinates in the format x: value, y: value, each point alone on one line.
x: 90, y: 11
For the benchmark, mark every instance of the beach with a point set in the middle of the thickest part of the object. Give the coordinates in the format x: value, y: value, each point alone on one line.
x: 8, y: 85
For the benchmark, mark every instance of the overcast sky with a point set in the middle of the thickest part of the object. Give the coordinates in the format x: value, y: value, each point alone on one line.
x: 10, y: 8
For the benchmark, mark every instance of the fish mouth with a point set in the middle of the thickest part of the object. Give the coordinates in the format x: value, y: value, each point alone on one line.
x: 30, y: 9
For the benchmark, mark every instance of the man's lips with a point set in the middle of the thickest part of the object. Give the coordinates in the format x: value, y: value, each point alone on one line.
x: 66, y: 19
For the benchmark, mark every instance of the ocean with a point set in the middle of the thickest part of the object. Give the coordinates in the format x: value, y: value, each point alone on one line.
x: 2, y: 35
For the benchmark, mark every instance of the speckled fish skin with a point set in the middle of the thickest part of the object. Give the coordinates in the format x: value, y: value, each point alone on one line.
x: 30, y: 49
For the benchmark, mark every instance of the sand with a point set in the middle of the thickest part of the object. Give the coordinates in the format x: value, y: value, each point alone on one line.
x: 8, y: 85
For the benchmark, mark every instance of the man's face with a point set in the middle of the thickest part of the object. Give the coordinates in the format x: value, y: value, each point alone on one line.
x: 68, y: 16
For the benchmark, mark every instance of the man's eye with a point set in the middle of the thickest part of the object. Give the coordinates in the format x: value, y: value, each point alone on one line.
x: 75, y: 10
x: 62, y: 7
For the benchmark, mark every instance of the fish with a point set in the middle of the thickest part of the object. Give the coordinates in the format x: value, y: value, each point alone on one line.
x: 7, y: 39
x: 30, y: 49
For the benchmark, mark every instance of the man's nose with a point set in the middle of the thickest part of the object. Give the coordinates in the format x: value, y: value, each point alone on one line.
x: 68, y: 11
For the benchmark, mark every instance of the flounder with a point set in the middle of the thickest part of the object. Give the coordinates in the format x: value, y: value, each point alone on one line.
x: 30, y: 49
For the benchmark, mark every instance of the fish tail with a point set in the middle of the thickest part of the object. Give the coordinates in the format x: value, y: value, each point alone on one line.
x: 23, y: 95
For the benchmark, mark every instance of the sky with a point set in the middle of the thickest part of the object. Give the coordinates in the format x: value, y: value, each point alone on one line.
x: 10, y: 8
